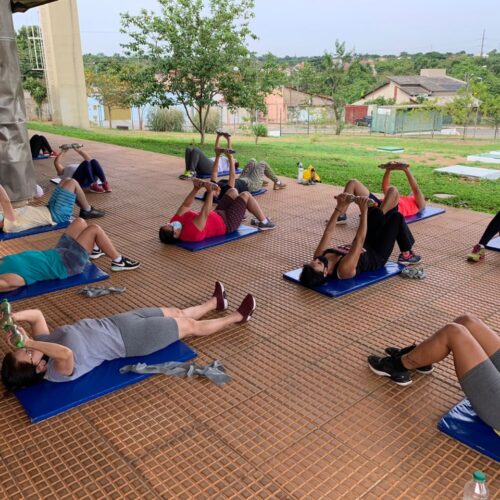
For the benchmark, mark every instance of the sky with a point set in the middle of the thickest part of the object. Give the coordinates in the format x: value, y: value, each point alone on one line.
x: 309, y: 27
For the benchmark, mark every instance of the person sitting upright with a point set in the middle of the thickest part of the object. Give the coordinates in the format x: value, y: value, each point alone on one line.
x: 58, y: 210
x: 79, y: 243
x: 379, y: 229
x: 88, y: 173
x: 188, y: 225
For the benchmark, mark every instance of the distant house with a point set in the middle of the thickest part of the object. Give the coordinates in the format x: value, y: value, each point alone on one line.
x: 432, y: 84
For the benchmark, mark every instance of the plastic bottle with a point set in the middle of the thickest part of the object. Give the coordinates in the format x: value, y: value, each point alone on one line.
x: 476, y: 488
x: 300, y: 174
x: 8, y: 326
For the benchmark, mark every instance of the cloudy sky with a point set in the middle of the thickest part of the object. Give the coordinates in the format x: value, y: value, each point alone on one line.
x: 309, y: 27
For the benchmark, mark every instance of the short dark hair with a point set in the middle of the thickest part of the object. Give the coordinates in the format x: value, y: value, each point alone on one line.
x: 166, y: 235
x: 16, y: 375
x: 311, y: 278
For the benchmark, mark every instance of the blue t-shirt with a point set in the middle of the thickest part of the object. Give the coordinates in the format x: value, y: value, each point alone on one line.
x: 35, y: 265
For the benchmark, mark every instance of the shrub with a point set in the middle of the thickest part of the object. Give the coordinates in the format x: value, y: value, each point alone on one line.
x: 165, y: 120
x: 259, y: 130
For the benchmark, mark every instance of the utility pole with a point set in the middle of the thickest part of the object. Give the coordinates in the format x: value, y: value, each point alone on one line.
x: 482, y: 43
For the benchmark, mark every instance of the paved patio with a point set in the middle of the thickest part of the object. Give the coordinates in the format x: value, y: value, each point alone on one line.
x: 303, y: 416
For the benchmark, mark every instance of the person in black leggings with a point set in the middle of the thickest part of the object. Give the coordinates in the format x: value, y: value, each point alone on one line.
x: 40, y: 145
x: 479, y: 251
x: 379, y: 229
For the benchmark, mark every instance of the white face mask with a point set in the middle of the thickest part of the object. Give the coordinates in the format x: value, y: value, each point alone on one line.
x: 176, y: 225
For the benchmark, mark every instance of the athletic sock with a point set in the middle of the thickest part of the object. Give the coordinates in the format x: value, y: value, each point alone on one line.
x: 118, y: 259
x: 96, y: 247
x: 265, y: 221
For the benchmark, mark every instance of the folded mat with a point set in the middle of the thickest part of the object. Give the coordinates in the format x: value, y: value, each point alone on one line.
x: 337, y: 288
x: 34, y: 230
x: 242, y: 232
x: 90, y: 274
x: 462, y: 424
x: 46, y: 399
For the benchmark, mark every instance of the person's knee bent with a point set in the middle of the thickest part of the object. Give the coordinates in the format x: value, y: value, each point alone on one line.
x: 68, y: 184
x: 245, y: 196
x: 232, y: 192
x: 457, y: 333
x: 392, y: 191
x: 351, y: 184
x: 466, y: 320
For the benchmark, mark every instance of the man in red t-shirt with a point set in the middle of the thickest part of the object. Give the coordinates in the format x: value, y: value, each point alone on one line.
x: 189, y: 225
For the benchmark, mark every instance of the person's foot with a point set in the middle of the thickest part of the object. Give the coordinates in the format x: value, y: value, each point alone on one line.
x: 396, y: 352
x: 385, y: 368
x: 53, y: 154
x: 265, y: 226
x: 220, y: 295
x: 279, y: 185
x: 409, y: 258
x: 96, y: 188
x: 342, y: 219
x: 96, y: 253
x: 478, y: 254
x: 125, y: 265
x: 188, y: 174
x: 92, y: 213
x: 247, y: 308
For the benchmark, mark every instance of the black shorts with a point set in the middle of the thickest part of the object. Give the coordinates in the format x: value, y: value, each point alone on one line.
x: 232, y: 211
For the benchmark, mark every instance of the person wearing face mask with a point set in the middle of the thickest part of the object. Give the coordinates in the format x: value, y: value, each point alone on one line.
x: 379, y: 229
x: 189, y: 225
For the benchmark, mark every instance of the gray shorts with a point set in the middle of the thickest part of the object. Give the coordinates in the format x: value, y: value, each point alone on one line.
x: 146, y: 330
x: 481, y: 385
x: 73, y: 255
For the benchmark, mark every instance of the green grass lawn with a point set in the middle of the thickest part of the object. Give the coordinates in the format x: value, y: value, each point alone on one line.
x: 337, y: 158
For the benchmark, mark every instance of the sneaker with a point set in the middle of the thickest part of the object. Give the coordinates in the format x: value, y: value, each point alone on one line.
x: 188, y: 174
x: 96, y: 188
x: 478, y: 254
x: 410, y: 259
x: 93, y: 213
x: 384, y: 367
x: 106, y: 187
x: 54, y: 154
x: 247, y: 308
x: 125, y: 265
x: 265, y: 226
x: 396, y: 352
x: 279, y: 185
x: 342, y: 219
x: 96, y: 253
x: 220, y: 295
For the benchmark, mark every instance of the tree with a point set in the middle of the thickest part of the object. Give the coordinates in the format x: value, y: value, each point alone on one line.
x: 28, y: 41
x: 38, y: 92
x: 199, y: 53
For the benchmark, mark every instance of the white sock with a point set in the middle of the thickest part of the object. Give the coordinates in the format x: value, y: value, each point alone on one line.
x: 118, y: 259
x: 96, y: 247
x: 265, y: 221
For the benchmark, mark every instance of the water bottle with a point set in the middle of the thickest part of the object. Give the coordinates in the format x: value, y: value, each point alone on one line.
x: 300, y: 175
x: 17, y: 339
x: 476, y: 488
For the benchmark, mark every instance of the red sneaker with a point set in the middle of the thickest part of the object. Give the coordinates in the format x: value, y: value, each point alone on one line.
x: 53, y: 154
x: 247, y: 308
x: 106, y: 187
x: 220, y: 295
x: 96, y: 188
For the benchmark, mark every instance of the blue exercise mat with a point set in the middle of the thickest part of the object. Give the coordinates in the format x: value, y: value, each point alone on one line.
x: 494, y: 244
x: 34, y: 230
x: 90, y: 274
x: 216, y: 200
x: 46, y: 399
x: 462, y: 423
x: 242, y: 232
x: 337, y: 288
x: 424, y: 214
x: 223, y: 173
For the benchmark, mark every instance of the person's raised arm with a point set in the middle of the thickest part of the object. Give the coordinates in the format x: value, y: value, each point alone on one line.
x: 348, y: 264
x: 386, y: 179
x: 6, y: 205
x: 188, y: 201
x: 232, y: 169
x: 58, y: 164
x: 36, y: 320
x: 83, y: 153
x: 200, y: 220
x: 343, y: 201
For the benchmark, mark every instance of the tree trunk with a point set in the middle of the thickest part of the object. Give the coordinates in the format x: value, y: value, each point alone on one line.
x: 202, y: 126
x: 141, y: 116
x: 109, y: 116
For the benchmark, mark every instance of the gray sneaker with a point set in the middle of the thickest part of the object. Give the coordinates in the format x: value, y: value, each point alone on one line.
x: 265, y: 226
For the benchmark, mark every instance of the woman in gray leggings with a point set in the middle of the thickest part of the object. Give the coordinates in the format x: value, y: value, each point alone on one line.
x: 476, y: 353
x: 73, y: 350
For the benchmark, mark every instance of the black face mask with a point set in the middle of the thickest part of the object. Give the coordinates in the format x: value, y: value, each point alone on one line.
x: 323, y: 260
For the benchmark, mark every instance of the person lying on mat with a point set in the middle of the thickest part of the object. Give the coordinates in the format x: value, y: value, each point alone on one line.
x: 59, y: 209
x: 39, y: 145
x: 379, y: 229
x: 73, y: 350
x: 478, y: 252
x: 68, y: 258
x: 476, y: 355
x: 88, y: 173
x: 188, y: 225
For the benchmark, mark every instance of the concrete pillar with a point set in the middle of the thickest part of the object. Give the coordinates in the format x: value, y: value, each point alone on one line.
x: 63, y: 58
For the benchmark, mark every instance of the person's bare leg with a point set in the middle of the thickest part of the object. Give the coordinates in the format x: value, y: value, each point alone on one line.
x: 356, y: 188
x: 8, y: 210
x: 456, y: 338
x: 194, y: 312
x: 190, y: 327
x: 252, y: 206
x: 232, y: 193
x: 391, y: 199
x: 73, y: 187
x: 95, y: 235
x: 487, y: 338
x: 76, y: 228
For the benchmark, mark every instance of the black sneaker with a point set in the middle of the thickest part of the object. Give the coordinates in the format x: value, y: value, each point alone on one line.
x: 410, y: 260
x: 385, y: 368
x: 264, y: 226
x: 96, y: 253
x: 93, y: 213
x: 342, y: 219
x: 125, y: 265
x: 396, y: 352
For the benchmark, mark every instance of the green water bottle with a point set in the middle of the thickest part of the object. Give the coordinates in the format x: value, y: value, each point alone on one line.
x: 17, y: 339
